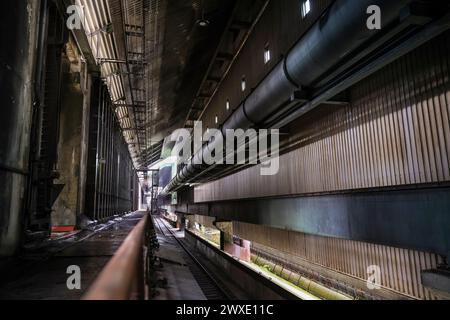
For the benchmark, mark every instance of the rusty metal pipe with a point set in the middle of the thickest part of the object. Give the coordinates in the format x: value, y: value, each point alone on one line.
x: 120, y: 277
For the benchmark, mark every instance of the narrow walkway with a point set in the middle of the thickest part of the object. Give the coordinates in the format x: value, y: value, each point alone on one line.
x: 33, y: 277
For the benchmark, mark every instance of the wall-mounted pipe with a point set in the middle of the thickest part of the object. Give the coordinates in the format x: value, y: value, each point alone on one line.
x: 338, y: 33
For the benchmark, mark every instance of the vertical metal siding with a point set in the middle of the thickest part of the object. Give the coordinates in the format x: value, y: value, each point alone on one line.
x: 400, y: 268
x: 112, y: 191
x: 395, y: 132
x: 280, y: 27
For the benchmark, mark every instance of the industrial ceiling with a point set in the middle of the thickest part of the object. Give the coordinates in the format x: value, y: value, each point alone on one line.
x: 153, y: 56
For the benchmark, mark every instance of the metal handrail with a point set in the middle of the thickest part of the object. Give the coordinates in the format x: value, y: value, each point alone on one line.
x: 123, y: 278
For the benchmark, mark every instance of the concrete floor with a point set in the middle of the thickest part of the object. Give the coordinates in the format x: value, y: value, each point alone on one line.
x: 40, y: 273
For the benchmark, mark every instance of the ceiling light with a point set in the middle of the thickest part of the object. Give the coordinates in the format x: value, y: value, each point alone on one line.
x: 203, y: 23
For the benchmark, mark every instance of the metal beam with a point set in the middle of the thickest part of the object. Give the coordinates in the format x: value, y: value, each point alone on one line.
x: 397, y: 218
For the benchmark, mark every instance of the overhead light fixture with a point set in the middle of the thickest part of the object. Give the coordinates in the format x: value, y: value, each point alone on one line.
x: 203, y: 22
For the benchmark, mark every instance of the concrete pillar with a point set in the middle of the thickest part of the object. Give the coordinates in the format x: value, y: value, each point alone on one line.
x: 18, y: 35
x: 181, y: 222
x: 70, y: 142
x: 226, y: 233
x: 86, y: 87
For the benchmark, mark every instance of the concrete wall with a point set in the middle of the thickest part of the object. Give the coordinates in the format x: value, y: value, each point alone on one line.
x: 227, y: 230
x: 18, y: 21
x: 69, y: 148
x: 86, y: 87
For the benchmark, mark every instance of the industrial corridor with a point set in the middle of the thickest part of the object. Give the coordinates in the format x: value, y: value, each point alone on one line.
x: 212, y: 150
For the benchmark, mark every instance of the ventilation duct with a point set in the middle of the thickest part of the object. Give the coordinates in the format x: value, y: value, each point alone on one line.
x: 341, y: 31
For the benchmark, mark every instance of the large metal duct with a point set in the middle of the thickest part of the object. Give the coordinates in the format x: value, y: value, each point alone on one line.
x: 337, y: 34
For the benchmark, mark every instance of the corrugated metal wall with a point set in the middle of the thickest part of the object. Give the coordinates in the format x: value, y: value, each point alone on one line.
x: 400, y: 267
x: 395, y: 132
x: 111, y: 176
